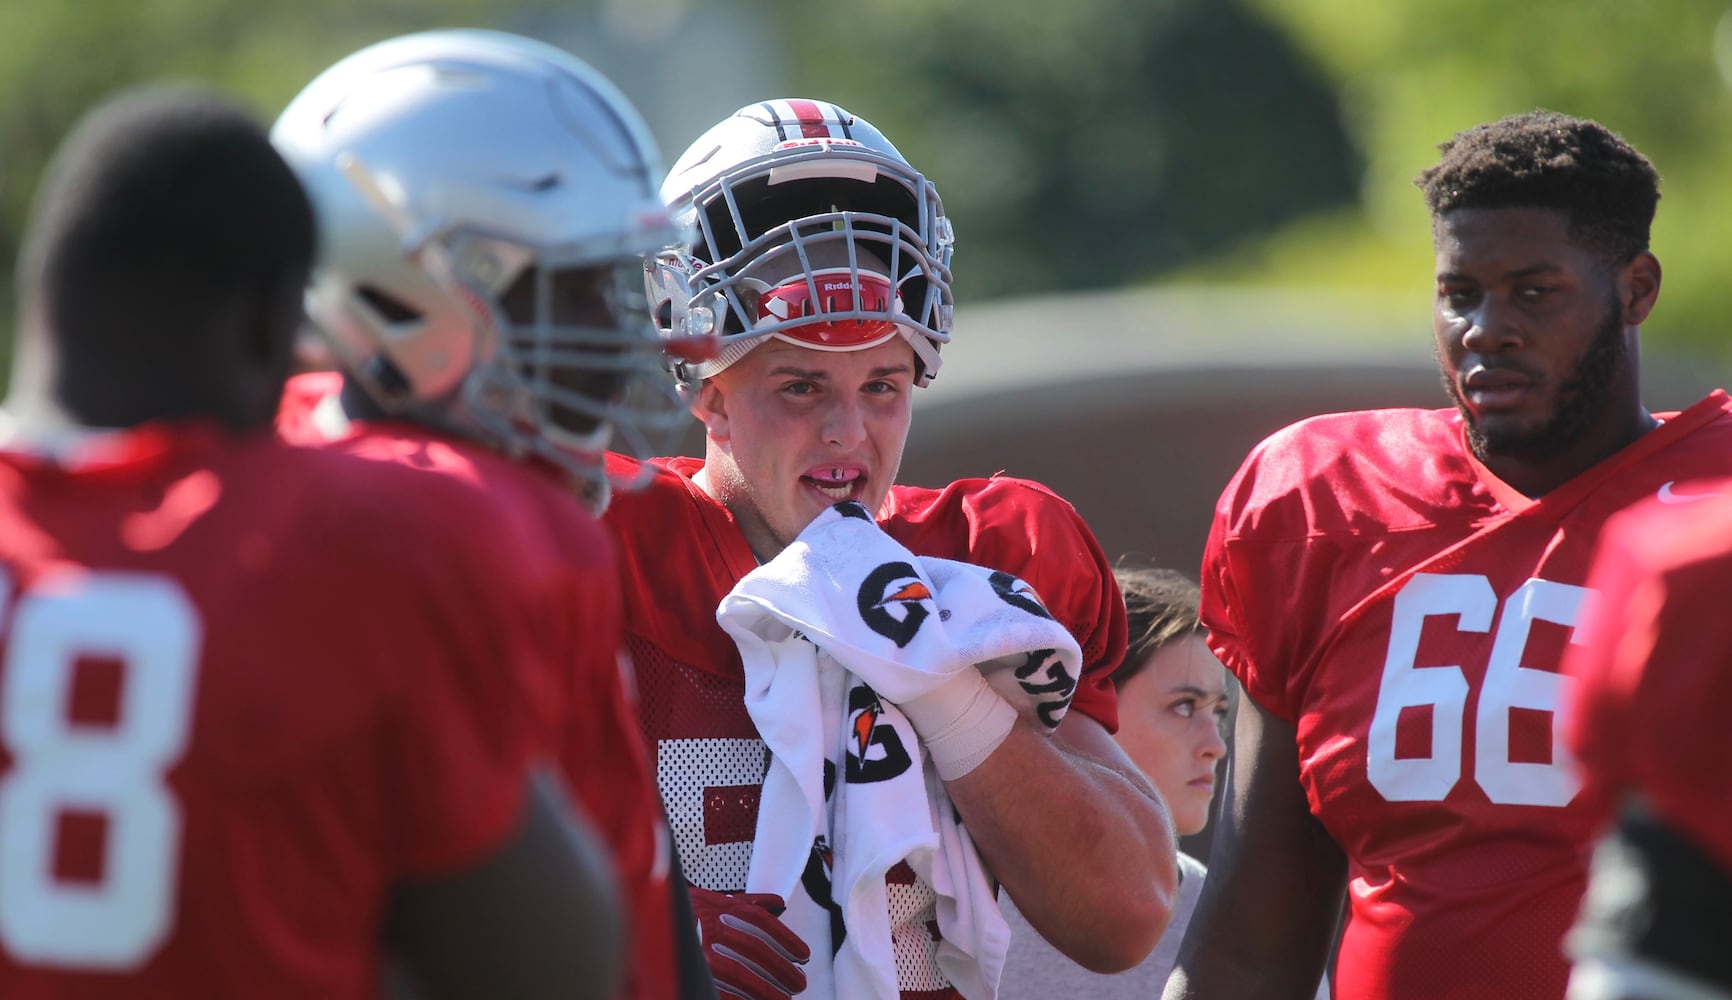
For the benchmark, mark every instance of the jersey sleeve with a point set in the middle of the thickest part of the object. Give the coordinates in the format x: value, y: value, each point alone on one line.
x: 1227, y: 599
x: 1022, y: 527
x: 1281, y: 565
x: 1653, y: 671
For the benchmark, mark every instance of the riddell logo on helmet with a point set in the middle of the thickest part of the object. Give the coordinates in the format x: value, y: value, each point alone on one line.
x: 837, y: 286
x: 820, y: 141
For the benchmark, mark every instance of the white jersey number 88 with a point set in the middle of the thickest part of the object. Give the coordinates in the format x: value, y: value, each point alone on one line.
x: 58, y: 767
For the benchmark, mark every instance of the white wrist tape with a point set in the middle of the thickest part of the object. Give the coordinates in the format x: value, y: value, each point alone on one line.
x: 961, y: 723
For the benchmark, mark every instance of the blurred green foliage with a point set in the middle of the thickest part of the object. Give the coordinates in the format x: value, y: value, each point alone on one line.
x: 1410, y: 74
x: 57, y: 58
x: 1094, y: 142
x: 1085, y: 144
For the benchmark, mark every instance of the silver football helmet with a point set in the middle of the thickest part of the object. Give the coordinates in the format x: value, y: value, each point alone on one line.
x: 485, y: 205
x: 863, y: 233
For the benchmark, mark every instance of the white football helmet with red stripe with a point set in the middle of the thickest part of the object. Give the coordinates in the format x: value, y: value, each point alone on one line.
x: 811, y: 228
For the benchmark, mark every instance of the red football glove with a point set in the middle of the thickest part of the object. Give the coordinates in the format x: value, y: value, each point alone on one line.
x: 751, y: 953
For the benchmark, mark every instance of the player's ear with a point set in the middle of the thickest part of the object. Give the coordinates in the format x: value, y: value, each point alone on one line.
x: 1640, y: 288
x: 750, y: 297
x: 710, y: 405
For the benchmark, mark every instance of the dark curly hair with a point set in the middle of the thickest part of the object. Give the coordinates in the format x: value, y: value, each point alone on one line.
x: 1543, y: 159
x: 1160, y: 606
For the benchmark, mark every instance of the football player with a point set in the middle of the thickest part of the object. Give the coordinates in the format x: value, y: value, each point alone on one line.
x: 1395, y: 589
x: 1647, y: 719
x: 258, y: 717
x: 823, y: 263
x: 485, y: 203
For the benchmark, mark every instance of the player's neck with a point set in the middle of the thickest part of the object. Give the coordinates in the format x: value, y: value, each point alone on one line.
x: 757, y: 532
x: 1535, y: 475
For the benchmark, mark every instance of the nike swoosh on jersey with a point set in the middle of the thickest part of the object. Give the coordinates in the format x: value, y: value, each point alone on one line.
x: 1667, y: 496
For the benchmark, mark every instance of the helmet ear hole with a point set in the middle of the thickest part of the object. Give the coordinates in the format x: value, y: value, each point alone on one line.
x: 392, y: 310
x: 751, y: 299
x: 734, y: 320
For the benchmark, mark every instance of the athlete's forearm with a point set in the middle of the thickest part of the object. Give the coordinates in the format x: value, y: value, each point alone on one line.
x: 1078, y: 838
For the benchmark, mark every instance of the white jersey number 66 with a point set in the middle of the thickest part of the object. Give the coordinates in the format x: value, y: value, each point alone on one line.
x: 1508, y: 685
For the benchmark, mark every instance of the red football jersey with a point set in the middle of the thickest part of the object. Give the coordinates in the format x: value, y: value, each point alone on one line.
x: 1372, y: 584
x: 1655, y: 675
x: 709, y: 760
x: 587, y: 707
x: 245, y: 689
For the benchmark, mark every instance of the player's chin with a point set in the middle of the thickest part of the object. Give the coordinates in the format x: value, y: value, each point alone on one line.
x: 1188, y: 818
x: 798, y: 518
x: 1511, y: 434
x: 872, y: 497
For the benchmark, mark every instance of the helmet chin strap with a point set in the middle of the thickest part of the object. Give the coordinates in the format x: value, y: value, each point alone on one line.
x: 927, y: 353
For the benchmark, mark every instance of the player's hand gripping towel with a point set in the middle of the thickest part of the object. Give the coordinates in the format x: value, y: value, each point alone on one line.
x: 834, y: 632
